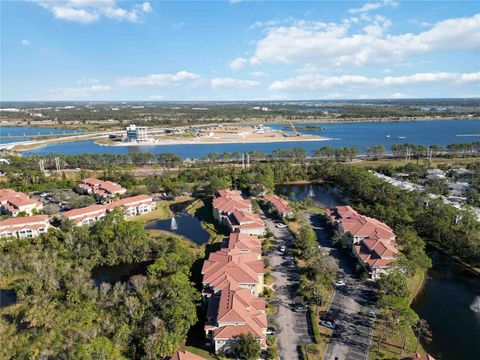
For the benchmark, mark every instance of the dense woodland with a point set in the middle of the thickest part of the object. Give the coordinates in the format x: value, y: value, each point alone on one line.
x: 178, y: 113
x: 61, y: 313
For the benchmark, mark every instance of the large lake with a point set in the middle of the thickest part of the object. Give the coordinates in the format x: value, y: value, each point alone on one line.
x: 26, y: 132
x: 440, y: 132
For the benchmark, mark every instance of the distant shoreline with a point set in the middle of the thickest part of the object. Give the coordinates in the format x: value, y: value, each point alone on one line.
x: 186, y: 142
x: 283, y: 121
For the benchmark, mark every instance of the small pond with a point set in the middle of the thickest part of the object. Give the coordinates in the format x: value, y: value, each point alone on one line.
x: 118, y: 273
x: 450, y: 302
x: 322, y: 194
x: 182, y: 224
x: 7, y: 297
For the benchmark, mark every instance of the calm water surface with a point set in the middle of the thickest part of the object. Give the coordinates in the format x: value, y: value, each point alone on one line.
x: 25, y: 132
x: 450, y: 302
x: 188, y: 226
x: 321, y: 194
x: 440, y: 132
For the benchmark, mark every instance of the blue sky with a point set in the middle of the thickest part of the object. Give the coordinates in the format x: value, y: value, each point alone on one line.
x: 238, y: 50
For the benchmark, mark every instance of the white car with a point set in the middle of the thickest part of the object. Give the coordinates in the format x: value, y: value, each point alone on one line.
x: 339, y: 283
x: 280, y: 225
x: 327, y: 324
x: 283, y: 248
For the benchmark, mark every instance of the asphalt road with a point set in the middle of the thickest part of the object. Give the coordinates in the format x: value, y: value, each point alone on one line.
x: 351, y: 337
x: 292, y: 328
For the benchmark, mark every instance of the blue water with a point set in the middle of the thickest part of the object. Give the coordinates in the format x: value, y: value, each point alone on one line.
x: 440, y: 132
x: 25, y: 132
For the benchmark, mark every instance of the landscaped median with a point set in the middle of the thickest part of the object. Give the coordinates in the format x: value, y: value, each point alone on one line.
x: 321, y: 335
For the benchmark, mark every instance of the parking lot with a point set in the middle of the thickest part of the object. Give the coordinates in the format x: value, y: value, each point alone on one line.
x: 350, y: 305
x: 293, y: 327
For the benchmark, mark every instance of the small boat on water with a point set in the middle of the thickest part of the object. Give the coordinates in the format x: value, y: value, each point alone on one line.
x: 387, y: 136
x: 400, y: 137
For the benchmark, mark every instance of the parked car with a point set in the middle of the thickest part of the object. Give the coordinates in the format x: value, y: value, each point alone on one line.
x: 327, y: 324
x: 280, y: 225
x: 270, y: 330
x: 372, y: 314
x: 339, y: 283
x: 300, y: 308
x: 283, y: 248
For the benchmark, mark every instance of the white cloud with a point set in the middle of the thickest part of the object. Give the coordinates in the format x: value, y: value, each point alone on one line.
x: 75, y: 93
x: 238, y: 63
x: 156, y: 97
x: 88, y: 81
x: 178, y: 25
x: 258, y: 74
x: 399, y: 95
x: 370, y: 6
x: 25, y: 42
x: 87, y: 11
x: 333, y: 44
x: 320, y: 82
x: 233, y: 83
x: 159, y: 79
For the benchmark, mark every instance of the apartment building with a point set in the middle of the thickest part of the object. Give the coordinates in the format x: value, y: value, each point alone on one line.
x: 103, y: 189
x: 371, y: 241
x: 280, y: 206
x: 233, y: 277
x: 14, y: 202
x: 24, y: 227
x: 131, y: 206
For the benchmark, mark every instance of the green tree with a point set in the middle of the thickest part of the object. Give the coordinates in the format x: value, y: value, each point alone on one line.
x: 247, y: 347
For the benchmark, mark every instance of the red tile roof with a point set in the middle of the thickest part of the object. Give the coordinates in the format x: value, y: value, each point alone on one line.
x: 94, y: 210
x: 244, y: 242
x: 37, y: 219
x: 16, y: 199
x: 101, y: 187
x: 281, y: 205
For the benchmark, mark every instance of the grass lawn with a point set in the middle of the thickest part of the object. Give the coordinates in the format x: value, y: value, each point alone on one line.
x: 162, y: 212
x: 200, y: 352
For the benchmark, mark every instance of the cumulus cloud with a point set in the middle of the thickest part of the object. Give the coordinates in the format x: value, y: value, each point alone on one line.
x: 25, y: 42
x: 87, y: 11
x: 156, y: 97
x: 160, y: 80
x: 75, y: 93
x: 258, y: 74
x: 88, y: 81
x: 334, y: 45
x: 321, y: 82
x: 370, y: 6
x: 233, y: 83
x: 238, y: 63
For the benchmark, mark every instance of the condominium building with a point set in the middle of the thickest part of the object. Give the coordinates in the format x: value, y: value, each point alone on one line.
x: 14, y: 202
x: 131, y: 206
x: 104, y: 189
x: 280, y: 206
x: 24, y: 227
x: 371, y: 241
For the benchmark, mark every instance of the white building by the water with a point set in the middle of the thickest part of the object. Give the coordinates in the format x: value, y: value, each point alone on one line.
x: 137, y: 133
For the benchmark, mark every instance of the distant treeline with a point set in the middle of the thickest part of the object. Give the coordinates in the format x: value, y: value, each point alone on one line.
x: 170, y: 160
